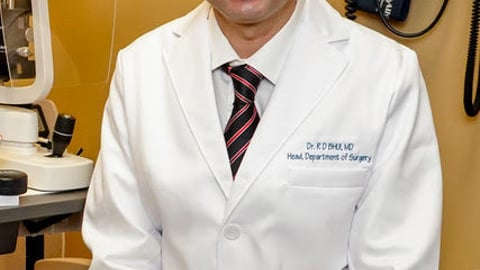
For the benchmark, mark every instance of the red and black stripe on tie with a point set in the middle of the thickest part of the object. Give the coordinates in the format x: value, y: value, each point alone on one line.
x: 244, y: 118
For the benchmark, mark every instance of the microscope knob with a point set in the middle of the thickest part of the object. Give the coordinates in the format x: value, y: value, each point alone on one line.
x: 62, y: 134
x: 12, y: 182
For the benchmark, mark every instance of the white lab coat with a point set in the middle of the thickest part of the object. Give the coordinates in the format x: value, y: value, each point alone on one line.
x: 343, y: 168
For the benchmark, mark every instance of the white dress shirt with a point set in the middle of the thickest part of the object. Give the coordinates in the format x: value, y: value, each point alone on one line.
x: 268, y: 60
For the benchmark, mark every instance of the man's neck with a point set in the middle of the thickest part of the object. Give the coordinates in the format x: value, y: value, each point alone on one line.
x: 246, y: 39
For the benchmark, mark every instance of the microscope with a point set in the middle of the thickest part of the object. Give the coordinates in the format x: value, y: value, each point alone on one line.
x: 26, y: 78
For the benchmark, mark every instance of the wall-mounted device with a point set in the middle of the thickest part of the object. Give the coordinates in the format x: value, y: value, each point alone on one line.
x: 390, y: 10
x: 26, y: 77
x: 472, y: 105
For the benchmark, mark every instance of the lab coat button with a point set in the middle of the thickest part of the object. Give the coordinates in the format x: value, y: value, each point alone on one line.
x: 232, y: 231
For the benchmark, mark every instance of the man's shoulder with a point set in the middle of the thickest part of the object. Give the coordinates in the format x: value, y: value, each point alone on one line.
x: 374, y: 42
x: 350, y: 36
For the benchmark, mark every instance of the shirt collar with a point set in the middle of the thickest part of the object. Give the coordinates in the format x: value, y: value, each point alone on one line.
x: 276, y: 48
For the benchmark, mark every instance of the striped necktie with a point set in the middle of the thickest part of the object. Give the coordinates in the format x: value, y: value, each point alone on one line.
x: 244, y: 118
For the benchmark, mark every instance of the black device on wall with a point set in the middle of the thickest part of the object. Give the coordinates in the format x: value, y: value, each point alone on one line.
x: 472, y: 106
x: 390, y: 10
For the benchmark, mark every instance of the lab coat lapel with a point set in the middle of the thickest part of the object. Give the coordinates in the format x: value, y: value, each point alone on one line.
x: 312, y: 68
x: 189, y: 65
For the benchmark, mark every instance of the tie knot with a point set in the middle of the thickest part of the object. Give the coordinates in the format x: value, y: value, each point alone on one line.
x: 245, y: 81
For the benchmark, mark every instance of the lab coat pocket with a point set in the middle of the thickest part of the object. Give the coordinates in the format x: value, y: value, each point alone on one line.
x: 327, y: 177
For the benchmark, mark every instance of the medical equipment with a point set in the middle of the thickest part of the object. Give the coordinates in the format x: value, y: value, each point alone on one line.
x: 13, y: 183
x: 390, y: 9
x: 472, y: 107
x: 26, y: 77
x: 62, y: 134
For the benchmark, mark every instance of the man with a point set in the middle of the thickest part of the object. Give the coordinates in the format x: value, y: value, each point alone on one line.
x: 342, y: 171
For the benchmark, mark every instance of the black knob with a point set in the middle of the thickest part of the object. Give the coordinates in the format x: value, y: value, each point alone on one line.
x: 12, y: 182
x: 62, y: 134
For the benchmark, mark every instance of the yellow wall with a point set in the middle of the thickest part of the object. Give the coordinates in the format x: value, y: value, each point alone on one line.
x: 82, y: 40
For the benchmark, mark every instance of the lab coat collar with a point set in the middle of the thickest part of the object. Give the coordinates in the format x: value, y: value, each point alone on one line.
x: 188, y: 60
x: 315, y: 49
x: 276, y: 48
x: 315, y: 63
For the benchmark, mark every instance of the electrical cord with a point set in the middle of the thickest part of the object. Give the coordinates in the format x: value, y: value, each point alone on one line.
x: 351, y: 7
x: 472, y: 109
x: 392, y: 29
